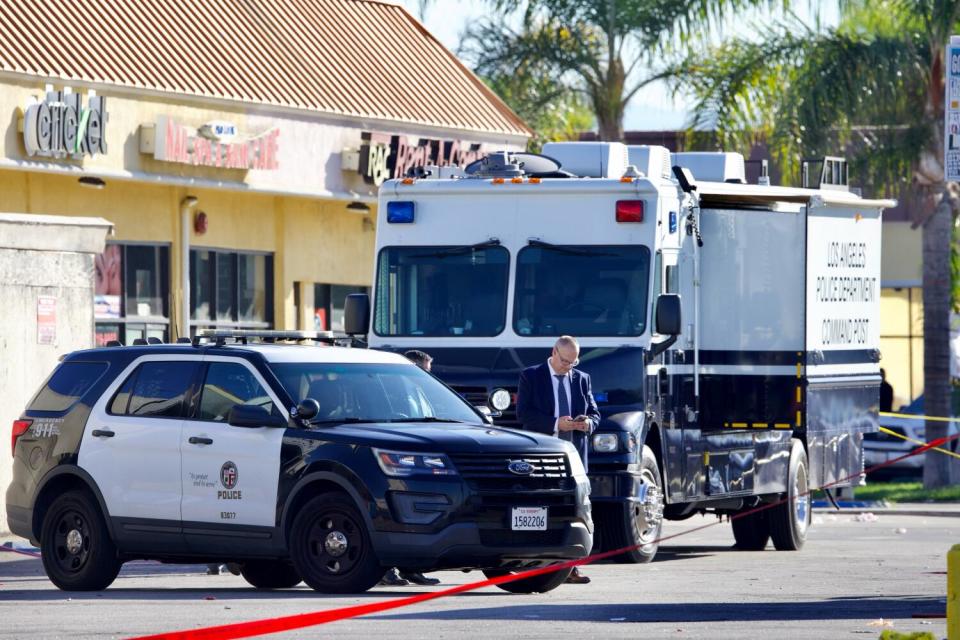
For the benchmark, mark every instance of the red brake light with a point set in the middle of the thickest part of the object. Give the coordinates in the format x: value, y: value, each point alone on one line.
x: 19, y: 428
x: 629, y: 210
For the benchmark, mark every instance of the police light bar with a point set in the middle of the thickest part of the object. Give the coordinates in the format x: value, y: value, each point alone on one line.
x: 629, y: 210
x: 400, y: 212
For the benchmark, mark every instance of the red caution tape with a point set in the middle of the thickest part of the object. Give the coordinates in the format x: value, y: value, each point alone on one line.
x: 287, y: 623
x: 32, y: 554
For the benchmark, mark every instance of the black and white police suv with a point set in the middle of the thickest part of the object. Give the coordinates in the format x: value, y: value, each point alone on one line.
x: 304, y: 462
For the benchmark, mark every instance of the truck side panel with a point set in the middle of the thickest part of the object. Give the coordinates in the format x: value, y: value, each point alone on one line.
x: 842, y: 371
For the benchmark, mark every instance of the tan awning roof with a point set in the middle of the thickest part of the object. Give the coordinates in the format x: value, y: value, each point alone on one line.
x: 349, y: 57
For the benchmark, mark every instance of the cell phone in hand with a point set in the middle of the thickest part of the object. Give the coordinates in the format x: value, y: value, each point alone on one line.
x: 580, y: 419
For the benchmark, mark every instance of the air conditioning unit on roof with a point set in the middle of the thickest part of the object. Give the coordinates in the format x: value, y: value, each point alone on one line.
x: 589, y: 159
x: 711, y: 166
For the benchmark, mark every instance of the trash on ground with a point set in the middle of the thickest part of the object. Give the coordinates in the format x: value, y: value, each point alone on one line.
x: 866, y: 516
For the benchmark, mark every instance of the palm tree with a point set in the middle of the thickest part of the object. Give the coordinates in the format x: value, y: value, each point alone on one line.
x: 603, y: 49
x: 874, y: 85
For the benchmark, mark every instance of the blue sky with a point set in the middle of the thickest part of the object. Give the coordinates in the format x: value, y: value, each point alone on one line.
x: 653, y: 108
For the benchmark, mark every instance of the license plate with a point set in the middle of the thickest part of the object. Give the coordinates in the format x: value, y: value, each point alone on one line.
x: 528, y: 519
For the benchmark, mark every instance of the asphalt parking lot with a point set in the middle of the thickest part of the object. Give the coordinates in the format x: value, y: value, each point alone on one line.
x: 854, y: 578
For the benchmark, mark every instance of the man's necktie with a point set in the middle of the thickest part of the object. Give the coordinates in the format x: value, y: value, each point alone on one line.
x: 563, y: 405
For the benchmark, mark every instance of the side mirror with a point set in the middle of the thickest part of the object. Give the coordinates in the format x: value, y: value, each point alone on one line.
x: 252, y: 417
x: 308, y: 409
x: 356, y: 314
x: 668, y: 314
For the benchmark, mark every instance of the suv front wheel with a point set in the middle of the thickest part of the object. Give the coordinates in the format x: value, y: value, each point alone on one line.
x: 330, y: 546
x: 75, y: 547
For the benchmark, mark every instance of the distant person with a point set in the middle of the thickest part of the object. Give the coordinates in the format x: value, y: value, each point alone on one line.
x: 886, y: 393
x: 556, y: 399
x: 420, y: 358
x: 401, y: 577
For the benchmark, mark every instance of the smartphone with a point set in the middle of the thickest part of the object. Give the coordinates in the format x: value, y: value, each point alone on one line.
x: 580, y: 419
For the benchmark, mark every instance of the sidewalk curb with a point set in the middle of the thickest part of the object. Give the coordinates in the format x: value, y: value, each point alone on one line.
x: 886, y: 511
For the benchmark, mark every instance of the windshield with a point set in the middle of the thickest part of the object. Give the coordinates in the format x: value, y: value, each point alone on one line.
x: 373, y: 393
x: 441, y: 291
x: 587, y: 290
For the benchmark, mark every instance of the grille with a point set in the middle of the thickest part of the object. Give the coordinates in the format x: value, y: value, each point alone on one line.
x: 488, y: 472
x: 499, y: 538
x: 478, y: 396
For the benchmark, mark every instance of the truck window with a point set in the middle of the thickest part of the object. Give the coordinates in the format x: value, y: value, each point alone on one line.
x: 586, y: 290
x: 441, y: 291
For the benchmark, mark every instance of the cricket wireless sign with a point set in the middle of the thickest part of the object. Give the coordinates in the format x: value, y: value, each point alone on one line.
x: 61, y: 126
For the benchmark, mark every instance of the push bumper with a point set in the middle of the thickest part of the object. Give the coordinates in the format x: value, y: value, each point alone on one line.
x: 467, y: 545
x: 615, y: 486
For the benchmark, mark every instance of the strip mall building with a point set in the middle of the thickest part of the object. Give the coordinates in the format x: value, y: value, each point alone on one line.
x: 173, y: 166
x: 236, y: 151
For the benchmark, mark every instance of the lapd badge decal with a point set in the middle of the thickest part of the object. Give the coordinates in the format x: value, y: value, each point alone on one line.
x: 229, y: 476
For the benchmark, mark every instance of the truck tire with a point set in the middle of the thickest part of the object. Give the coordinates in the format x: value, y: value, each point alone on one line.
x: 536, y: 584
x: 790, y: 519
x: 330, y: 546
x: 75, y: 546
x: 636, y: 524
x: 270, y: 574
x: 751, y: 529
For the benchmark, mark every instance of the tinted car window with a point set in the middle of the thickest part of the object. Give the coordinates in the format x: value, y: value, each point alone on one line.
x: 372, y: 392
x: 159, y: 388
x: 67, y: 385
x: 228, y: 384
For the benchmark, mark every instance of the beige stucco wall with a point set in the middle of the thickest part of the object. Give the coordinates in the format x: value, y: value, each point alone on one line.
x: 901, y: 254
x: 41, y: 257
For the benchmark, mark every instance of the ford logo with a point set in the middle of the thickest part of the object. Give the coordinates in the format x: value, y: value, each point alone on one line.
x: 520, y: 468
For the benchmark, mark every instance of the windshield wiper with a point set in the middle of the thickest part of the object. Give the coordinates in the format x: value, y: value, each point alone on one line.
x: 423, y: 419
x: 570, y: 251
x: 348, y: 420
x: 453, y: 251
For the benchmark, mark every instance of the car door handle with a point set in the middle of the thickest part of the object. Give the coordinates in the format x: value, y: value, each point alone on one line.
x: 102, y: 433
x: 196, y: 440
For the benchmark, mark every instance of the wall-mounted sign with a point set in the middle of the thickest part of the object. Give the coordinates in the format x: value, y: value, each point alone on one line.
x: 220, y: 131
x: 46, y: 320
x: 60, y: 126
x: 384, y: 156
x: 170, y: 141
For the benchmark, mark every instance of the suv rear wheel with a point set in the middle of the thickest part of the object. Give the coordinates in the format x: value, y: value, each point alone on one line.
x: 270, y: 574
x: 536, y: 584
x: 76, y: 549
x: 330, y: 546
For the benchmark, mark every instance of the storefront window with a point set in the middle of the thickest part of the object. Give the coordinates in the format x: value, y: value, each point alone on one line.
x: 231, y: 289
x: 253, y: 287
x: 145, y: 273
x: 329, y: 300
x: 131, y: 293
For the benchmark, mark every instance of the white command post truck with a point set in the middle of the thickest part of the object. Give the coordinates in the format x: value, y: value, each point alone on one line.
x: 731, y: 330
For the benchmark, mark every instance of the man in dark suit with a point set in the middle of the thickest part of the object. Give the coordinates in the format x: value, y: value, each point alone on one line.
x: 556, y: 399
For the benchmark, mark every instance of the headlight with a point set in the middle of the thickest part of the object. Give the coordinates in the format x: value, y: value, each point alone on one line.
x: 605, y: 442
x: 401, y: 464
x: 500, y: 399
